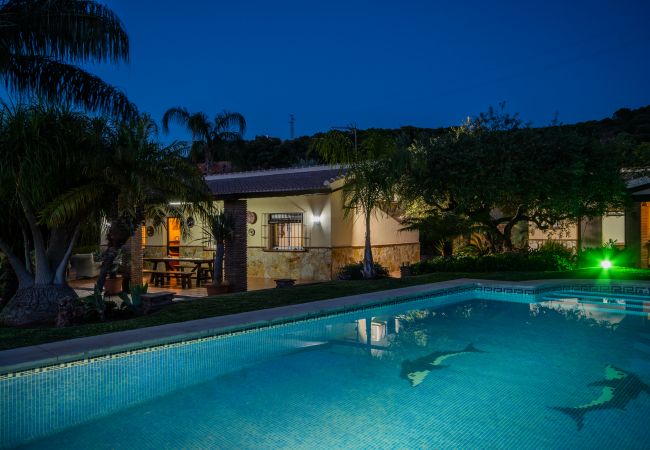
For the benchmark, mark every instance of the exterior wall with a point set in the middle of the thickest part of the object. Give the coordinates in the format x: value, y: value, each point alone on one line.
x: 350, y: 231
x: 332, y: 241
x: 614, y: 229
x: 389, y: 256
x: 312, y: 206
x: 391, y: 247
x: 313, y: 264
x: 566, y: 233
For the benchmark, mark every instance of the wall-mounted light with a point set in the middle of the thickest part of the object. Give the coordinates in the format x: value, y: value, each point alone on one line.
x: 315, y: 219
x: 175, y: 203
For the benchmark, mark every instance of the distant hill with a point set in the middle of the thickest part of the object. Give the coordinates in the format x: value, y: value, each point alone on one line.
x: 266, y: 152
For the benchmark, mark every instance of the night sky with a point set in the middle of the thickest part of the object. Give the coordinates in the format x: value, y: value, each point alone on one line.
x: 384, y: 63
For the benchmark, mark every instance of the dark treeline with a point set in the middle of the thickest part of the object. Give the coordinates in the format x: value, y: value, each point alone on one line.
x: 265, y: 152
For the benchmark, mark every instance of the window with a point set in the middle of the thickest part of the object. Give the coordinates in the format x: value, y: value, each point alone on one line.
x: 284, y: 231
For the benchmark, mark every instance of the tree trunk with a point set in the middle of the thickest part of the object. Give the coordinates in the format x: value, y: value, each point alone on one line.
x: 119, y: 232
x: 217, y: 270
x: 35, y: 305
x: 447, y: 248
x: 108, y: 257
x: 368, y: 270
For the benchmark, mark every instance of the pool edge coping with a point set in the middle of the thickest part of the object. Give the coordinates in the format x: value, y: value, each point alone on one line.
x: 89, y: 347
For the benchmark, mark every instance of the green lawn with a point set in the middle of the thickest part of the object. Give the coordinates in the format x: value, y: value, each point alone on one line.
x: 269, y: 298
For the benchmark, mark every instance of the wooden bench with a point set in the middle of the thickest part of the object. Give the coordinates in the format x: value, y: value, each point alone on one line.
x: 153, y: 301
x: 158, y: 277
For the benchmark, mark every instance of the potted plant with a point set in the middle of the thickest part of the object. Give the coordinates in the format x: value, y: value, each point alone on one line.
x: 113, y: 284
x: 219, y: 228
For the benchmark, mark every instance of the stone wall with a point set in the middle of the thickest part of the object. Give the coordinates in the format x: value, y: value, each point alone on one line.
x: 312, y: 264
x: 389, y: 256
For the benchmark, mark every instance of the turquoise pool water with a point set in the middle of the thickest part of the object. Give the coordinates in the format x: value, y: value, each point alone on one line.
x: 470, y: 369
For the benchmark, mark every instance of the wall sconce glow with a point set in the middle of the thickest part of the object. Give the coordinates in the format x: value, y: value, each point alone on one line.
x: 315, y: 219
x: 606, y: 264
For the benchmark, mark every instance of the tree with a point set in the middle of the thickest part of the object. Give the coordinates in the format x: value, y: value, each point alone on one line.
x: 208, y: 137
x: 41, y: 149
x: 498, y: 173
x: 64, y: 168
x: 43, y: 41
x: 220, y: 228
x: 372, y: 169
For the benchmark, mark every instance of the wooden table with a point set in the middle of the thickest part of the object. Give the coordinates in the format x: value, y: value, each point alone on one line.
x: 170, y: 267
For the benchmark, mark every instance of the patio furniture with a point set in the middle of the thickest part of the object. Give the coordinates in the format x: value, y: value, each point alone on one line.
x: 172, y: 264
x: 84, y: 265
x: 159, y: 277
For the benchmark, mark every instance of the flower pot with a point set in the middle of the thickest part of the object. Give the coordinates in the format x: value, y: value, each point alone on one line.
x: 217, y: 289
x: 113, y: 286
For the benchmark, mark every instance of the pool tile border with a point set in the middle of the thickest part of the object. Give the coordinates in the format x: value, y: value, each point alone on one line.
x: 45, y: 365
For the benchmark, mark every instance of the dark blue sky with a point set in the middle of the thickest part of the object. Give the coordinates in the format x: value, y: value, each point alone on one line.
x: 384, y: 63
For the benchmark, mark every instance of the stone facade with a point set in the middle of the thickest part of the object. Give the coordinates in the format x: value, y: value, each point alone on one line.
x: 389, y: 256
x: 312, y: 264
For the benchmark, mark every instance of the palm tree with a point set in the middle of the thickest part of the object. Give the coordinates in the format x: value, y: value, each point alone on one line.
x: 66, y: 168
x: 42, y: 149
x: 142, y: 179
x: 208, y: 137
x: 373, y: 167
x: 220, y: 228
x: 43, y: 41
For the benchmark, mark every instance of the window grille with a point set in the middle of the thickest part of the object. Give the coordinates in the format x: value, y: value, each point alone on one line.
x: 283, y: 231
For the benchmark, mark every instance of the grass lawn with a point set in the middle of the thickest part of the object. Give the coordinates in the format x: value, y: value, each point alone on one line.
x: 269, y: 298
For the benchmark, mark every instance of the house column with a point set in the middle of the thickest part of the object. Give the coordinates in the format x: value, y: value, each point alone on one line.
x: 135, y: 250
x: 235, y: 264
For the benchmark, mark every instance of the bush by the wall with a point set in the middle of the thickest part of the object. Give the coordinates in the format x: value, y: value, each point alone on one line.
x: 543, y: 259
x: 353, y: 271
x: 592, y: 257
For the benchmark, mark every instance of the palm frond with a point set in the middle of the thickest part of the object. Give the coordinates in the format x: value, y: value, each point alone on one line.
x: 65, y: 30
x: 57, y: 82
x: 176, y: 115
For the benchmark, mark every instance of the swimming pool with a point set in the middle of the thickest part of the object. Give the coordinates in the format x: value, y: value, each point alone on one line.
x: 460, y: 368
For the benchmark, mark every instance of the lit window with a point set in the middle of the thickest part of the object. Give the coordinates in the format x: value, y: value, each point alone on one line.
x: 285, y: 231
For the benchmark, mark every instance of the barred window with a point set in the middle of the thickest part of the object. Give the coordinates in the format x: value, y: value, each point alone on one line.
x: 284, y: 231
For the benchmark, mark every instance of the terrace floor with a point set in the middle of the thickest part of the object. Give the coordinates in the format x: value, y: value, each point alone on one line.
x: 85, y: 286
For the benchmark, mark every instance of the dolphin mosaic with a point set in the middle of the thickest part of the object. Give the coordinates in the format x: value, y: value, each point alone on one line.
x: 416, y: 371
x: 619, y: 389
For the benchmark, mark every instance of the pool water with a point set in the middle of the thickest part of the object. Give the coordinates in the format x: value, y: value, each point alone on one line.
x: 467, y: 370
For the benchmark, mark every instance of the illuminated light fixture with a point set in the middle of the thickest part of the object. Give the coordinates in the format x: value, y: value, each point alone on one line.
x: 315, y: 219
x: 606, y: 264
x: 175, y: 203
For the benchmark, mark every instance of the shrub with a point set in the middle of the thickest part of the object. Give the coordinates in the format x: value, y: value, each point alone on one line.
x: 536, y: 260
x: 353, y: 271
x: 592, y: 257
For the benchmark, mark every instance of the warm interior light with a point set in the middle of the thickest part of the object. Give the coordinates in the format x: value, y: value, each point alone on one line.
x: 605, y: 264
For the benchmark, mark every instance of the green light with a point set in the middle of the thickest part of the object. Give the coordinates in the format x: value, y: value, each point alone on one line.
x: 605, y: 264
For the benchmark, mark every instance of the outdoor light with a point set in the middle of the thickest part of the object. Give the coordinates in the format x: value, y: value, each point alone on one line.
x: 605, y: 264
x: 315, y: 219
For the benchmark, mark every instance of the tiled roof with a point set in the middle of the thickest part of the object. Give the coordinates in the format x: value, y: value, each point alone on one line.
x: 275, y: 182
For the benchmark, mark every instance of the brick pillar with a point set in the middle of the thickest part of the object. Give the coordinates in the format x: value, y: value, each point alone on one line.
x: 135, y: 249
x: 235, y: 264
